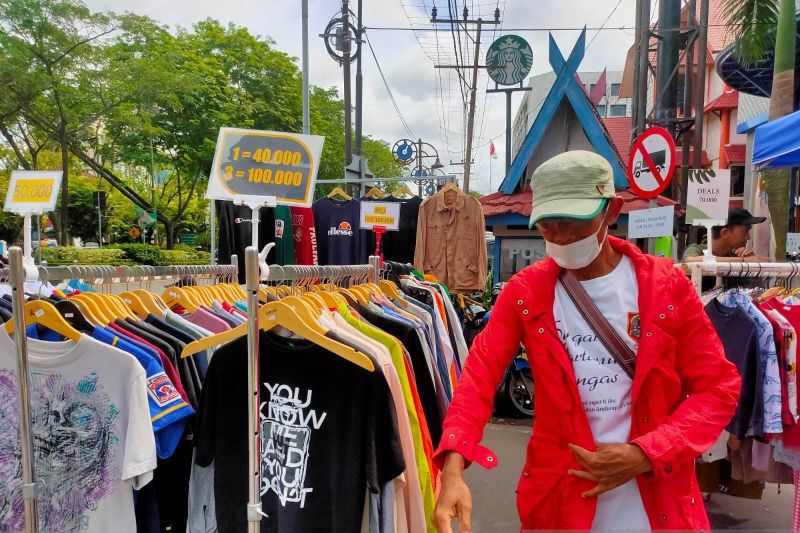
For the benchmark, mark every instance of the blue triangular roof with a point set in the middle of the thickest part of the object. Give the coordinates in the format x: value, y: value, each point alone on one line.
x: 565, y: 86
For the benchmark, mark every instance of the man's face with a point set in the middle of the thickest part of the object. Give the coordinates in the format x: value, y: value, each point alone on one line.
x: 738, y: 235
x: 567, y: 230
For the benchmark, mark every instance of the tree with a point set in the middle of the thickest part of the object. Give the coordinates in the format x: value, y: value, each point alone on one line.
x: 756, y: 24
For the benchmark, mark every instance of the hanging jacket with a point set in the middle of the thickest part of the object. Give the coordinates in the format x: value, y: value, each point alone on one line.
x: 451, y: 241
x: 684, y: 393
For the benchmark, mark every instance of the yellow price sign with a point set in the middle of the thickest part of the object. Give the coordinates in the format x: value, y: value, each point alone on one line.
x: 32, y: 192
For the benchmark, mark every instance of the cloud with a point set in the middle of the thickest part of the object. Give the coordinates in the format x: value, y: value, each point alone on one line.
x: 408, y: 70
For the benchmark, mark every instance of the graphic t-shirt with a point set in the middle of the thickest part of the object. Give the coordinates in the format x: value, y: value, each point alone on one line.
x: 328, y: 433
x: 305, y: 236
x: 284, y: 236
x: 339, y: 239
x: 93, y: 440
x: 604, y: 387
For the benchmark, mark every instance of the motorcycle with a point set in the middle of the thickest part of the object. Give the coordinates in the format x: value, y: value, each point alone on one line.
x: 515, y: 394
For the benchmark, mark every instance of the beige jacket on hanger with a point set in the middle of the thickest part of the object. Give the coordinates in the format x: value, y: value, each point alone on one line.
x: 451, y: 241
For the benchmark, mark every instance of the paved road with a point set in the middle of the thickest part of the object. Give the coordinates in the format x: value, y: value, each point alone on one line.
x: 495, y: 505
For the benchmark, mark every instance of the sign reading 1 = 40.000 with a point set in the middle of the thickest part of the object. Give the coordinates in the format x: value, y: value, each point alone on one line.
x: 31, y: 192
x: 265, y: 164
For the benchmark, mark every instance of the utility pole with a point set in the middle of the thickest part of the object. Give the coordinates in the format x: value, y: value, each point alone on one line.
x: 359, y: 99
x: 306, y: 105
x: 348, y: 119
x: 474, y: 88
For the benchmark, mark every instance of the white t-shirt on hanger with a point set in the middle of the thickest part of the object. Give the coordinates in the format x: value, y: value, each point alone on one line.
x: 93, y: 439
x: 604, y: 387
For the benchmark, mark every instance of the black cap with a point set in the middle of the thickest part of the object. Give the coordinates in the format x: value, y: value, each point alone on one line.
x: 742, y: 217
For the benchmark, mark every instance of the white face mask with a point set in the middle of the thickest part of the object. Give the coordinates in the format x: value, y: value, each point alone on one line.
x: 578, y: 254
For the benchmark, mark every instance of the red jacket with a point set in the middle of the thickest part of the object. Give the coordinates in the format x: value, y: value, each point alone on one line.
x: 684, y: 393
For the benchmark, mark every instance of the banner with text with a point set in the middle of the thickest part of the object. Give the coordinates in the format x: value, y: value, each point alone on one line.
x: 265, y: 164
x: 385, y: 214
x: 708, y: 195
x: 646, y: 223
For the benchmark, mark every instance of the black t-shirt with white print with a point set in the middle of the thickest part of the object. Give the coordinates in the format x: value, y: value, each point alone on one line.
x: 328, y: 433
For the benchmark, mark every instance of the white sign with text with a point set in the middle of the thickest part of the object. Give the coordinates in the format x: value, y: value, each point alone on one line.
x: 646, y: 223
x: 709, y: 194
x: 793, y: 242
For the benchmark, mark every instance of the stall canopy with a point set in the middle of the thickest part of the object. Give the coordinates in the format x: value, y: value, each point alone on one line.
x: 777, y: 143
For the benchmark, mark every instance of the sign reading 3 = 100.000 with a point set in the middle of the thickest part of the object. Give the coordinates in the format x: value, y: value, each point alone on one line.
x: 266, y: 164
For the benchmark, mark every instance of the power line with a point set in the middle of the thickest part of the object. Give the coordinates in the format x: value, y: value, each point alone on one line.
x: 603, y: 25
x: 388, y: 90
x: 572, y: 28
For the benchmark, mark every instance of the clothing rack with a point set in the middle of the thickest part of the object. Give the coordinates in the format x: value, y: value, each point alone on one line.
x: 253, y: 277
x: 787, y: 271
x: 93, y: 275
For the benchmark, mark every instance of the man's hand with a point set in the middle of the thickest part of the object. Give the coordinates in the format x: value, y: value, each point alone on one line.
x: 611, y: 466
x: 455, y: 498
x: 744, y: 252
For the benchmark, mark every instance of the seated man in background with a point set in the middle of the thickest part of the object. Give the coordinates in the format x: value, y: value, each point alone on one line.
x: 729, y: 242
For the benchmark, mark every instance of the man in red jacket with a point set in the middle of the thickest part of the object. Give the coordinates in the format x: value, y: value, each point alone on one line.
x: 608, y: 452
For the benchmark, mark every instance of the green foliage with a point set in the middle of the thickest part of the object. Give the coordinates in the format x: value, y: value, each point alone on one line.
x: 142, y: 254
x: 176, y: 257
x: 753, y: 25
x: 68, y: 255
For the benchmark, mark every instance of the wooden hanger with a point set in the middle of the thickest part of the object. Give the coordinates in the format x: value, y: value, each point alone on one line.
x: 331, y: 299
x: 122, y: 306
x: 404, y: 191
x: 45, y: 314
x: 375, y: 193
x: 74, y: 316
x: 173, y: 296
x: 390, y: 289
x: 88, y: 312
x: 296, y: 318
x: 96, y: 307
x: 338, y: 191
x: 135, y: 303
x: 152, y: 302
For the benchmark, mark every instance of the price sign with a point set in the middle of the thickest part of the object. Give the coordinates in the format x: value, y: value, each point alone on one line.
x: 708, y: 195
x: 32, y: 192
x: 265, y: 164
x: 384, y: 214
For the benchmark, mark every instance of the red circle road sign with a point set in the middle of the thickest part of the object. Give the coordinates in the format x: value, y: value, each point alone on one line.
x: 652, y: 163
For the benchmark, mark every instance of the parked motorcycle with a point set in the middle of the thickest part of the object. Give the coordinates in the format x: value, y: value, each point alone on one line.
x: 515, y: 394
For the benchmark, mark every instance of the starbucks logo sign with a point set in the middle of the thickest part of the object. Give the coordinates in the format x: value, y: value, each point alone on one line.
x: 509, y: 60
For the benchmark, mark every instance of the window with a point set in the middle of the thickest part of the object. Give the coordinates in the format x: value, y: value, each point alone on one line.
x: 618, y: 110
x: 615, y: 89
x: 601, y: 110
x: 737, y: 181
x: 591, y: 87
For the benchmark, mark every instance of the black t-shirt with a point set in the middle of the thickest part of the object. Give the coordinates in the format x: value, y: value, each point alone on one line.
x: 739, y: 336
x: 236, y: 232
x: 328, y: 432
x: 399, y: 245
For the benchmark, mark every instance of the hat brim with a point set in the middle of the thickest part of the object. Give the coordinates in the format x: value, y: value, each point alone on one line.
x: 579, y: 209
x: 754, y: 220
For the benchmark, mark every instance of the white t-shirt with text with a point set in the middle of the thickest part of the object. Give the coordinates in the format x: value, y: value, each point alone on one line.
x: 604, y: 387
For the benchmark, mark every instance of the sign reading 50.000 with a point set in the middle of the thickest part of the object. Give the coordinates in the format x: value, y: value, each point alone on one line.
x: 265, y: 163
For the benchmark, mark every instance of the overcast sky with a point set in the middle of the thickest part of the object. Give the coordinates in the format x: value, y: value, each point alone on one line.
x: 430, y: 107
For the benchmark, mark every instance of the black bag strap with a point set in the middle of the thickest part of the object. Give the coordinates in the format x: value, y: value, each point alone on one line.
x: 616, y: 346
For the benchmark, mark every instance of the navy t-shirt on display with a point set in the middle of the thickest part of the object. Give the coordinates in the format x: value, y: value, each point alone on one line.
x: 340, y: 241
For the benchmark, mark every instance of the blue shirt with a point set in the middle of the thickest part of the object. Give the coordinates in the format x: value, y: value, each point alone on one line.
x: 169, y: 413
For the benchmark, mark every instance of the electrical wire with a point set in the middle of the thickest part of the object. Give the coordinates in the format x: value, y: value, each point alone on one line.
x: 388, y: 89
x: 566, y: 28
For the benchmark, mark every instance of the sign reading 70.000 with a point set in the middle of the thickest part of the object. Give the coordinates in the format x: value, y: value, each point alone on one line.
x: 265, y: 163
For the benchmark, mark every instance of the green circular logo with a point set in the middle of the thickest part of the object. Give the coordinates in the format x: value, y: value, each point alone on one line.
x: 509, y: 60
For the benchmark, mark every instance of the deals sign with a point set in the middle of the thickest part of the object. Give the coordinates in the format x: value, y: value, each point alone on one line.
x: 265, y: 164
x: 31, y: 192
x: 384, y: 214
x: 709, y: 195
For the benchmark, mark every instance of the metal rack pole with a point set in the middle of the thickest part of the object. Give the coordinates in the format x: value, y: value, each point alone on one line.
x: 254, y: 512
x: 29, y: 487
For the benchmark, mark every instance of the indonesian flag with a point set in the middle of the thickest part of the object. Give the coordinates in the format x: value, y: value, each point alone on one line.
x: 492, y: 150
